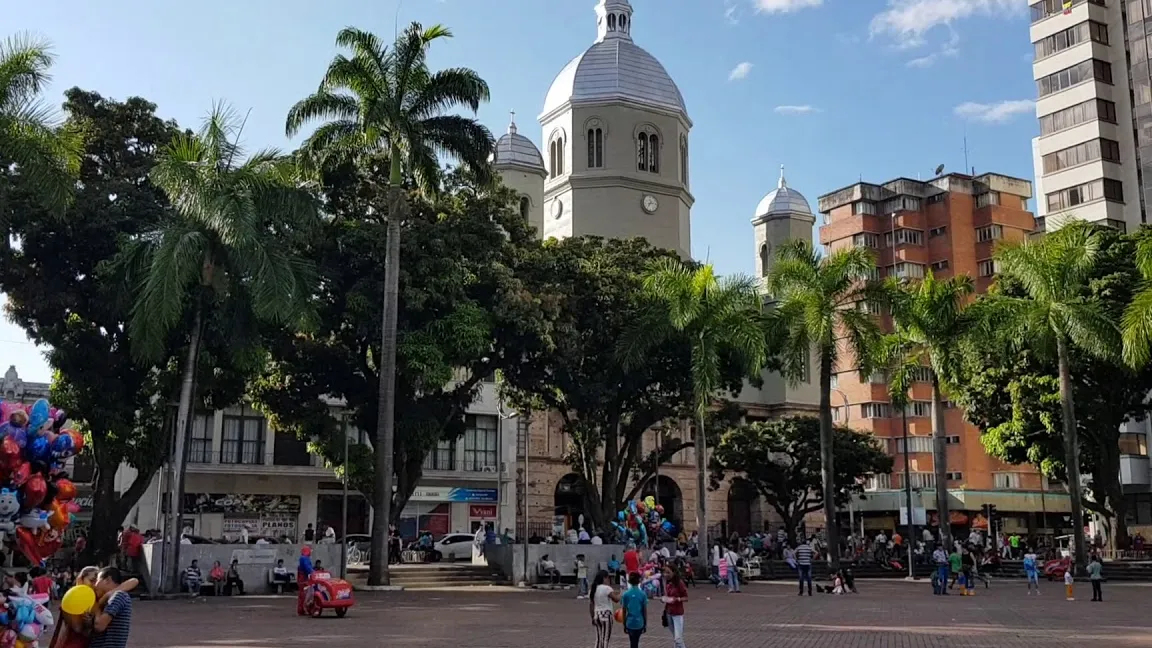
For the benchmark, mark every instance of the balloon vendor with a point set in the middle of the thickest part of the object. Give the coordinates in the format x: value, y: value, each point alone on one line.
x: 304, y: 571
x: 642, y: 521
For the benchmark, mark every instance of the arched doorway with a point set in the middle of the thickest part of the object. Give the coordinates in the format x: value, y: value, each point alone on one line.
x: 743, y: 508
x: 570, y: 498
x: 669, y: 496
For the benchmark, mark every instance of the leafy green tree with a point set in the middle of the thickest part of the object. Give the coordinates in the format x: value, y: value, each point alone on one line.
x: 781, y: 459
x: 1055, y: 316
x: 930, y: 324
x: 723, y: 323
x: 384, y: 109
x: 1015, y: 397
x: 605, y: 402
x: 43, y: 157
x: 463, y: 305
x: 822, y: 303
x: 221, y: 252
x: 60, y: 291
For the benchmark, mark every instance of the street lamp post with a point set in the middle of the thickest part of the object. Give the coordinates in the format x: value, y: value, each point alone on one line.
x: 910, y: 529
x: 344, y: 504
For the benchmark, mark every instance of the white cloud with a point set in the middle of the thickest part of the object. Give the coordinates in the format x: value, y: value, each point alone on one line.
x: 741, y: 71
x: 909, y: 20
x: 994, y: 113
x: 949, y: 49
x: 784, y: 6
x: 796, y: 110
x: 731, y: 12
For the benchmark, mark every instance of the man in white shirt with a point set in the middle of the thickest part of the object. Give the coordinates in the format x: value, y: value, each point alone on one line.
x: 716, y: 563
x: 244, y: 534
x: 733, y: 561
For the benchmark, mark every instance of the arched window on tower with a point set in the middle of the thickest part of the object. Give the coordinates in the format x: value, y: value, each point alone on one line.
x: 684, y: 160
x: 642, y: 151
x: 764, y: 259
x: 611, y: 22
x: 560, y: 155
x: 654, y: 153
x: 624, y: 23
x: 525, y: 207
x: 556, y: 157
x: 552, y: 159
x: 595, y: 148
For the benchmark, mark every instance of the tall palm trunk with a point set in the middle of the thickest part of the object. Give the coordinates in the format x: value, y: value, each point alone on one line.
x: 1071, y: 451
x: 827, y: 470
x: 940, y: 462
x: 175, y: 517
x: 386, y: 430
x: 701, y: 466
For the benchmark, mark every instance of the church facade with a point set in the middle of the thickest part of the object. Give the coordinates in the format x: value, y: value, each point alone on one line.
x: 616, y: 163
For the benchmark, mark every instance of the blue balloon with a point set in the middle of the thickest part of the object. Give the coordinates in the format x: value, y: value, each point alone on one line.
x: 63, y: 447
x: 619, y: 516
x: 38, y: 415
x: 19, y: 435
x: 668, y: 527
x: 39, y: 450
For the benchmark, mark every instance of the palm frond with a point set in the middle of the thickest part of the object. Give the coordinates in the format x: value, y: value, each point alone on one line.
x: 447, y: 89
x: 25, y: 62
x: 1137, y: 330
x: 321, y: 105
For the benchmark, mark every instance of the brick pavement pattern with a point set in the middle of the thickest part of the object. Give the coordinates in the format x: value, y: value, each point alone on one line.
x: 883, y: 615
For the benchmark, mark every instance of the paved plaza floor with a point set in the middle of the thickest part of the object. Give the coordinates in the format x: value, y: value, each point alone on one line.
x: 883, y: 615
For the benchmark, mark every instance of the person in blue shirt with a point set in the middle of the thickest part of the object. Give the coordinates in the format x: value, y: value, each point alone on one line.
x: 304, y: 569
x: 614, y: 568
x: 635, y: 604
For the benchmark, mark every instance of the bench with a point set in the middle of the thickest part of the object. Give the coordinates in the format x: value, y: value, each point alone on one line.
x: 279, y: 586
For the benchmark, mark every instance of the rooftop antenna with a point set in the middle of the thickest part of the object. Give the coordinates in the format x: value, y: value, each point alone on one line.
x: 940, y: 169
x: 966, y: 148
x: 396, y: 22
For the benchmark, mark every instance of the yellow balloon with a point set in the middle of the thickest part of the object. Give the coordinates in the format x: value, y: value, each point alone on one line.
x: 20, y: 643
x: 78, y: 600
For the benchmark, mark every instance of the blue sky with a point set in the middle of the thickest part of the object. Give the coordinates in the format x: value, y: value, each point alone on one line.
x: 833, y: 89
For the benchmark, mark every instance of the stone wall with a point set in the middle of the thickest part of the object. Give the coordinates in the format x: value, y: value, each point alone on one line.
x: 254, y: 561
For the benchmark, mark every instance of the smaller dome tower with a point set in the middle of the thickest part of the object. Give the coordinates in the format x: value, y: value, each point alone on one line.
x: 783, y: 215
x: 521, y: 167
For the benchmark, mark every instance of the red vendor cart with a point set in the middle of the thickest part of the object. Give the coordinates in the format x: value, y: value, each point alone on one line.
x: 327, y: 593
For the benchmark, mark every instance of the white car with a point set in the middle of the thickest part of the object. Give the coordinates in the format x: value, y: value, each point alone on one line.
x: 455, y: 546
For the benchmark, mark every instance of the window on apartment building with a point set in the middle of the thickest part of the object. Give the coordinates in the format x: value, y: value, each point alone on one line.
x: 919, y: 408
x: 987, y: 198
x: 1092, y: 69
x: 875, y: 410
x: 1134, y: 444
x: 873, y: 274
x: 940, y: 265
x: 1071, y: 37
x: 936, y: 198
x: 1097, y: 149
x: 1104, y: 188
x: 921, y: 374
x: 837, y: 413
x: 866, y: 239
x: 289, y: 450
x: 938, y: 231
x: 954, y: 476
x: 923, y: 479
x: 1044, y: 8
x: 988, y: 267
x: 442, y: 457
x: 872, y: 308
x: 948, y: 404
x: 1119, y: 226
x: 990, y: 233
x: 906, y: 270
x: 900, y: 203
x: 243, y: 441
x: 835, y: 381
x: 863, y: 207
x: 1006, y: 480
x: 905, y: 237
x: 877, y: 482
x: 953, y: 439
x: 480, y: 441
x: 915, y: 444
x: 200, y: 443
x: 1081, y: 113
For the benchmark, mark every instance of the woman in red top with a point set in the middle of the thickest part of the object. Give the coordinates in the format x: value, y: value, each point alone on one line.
x: 632, y: 560
x: 675, y: 593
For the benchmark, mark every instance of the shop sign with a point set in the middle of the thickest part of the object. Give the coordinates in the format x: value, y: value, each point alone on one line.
x: 482, y: 511
x: 239, y: 503
x: 254, y: 556
x: 448, y: 494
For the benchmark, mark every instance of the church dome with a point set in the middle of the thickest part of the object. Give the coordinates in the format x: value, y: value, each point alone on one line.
x: 513, y: 149
x: 615, y: 68
x: 783, y: 200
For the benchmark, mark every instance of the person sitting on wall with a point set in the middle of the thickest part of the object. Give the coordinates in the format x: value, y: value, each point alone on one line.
x: 548, y: 569
x: 217, y: 577
x: 193, y: 579
x: 233, y: 579
x: 280, y: 576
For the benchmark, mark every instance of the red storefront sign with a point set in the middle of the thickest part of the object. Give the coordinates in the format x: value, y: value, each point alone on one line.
x: 482, y: 511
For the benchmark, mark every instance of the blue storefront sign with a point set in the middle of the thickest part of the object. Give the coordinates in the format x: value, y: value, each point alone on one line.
x: 446, y: 494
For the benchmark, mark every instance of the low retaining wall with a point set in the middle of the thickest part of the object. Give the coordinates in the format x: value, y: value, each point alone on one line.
x: 253, y: 561
x: 510, y: 558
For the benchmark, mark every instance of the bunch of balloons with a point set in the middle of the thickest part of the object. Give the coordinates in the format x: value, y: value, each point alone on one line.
x: 36, y: 497
x: 23, y: 619
x: 642, y: 520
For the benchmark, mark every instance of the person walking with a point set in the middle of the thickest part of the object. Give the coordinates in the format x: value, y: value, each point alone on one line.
x: 732, y: 561
x: 940, y: 581
x: 635, y: 604
x: 675, y: 594
x: 1095, y: 574
x: 804, y: 566
x: 1032, y: 571
x: 600, y: 607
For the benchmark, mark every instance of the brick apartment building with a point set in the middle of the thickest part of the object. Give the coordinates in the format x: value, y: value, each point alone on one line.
x: 947, y: 225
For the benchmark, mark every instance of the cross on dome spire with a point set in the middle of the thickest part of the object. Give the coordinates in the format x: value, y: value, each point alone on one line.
x: 783, y: 183
x: 512, y: 122
x: 613, y: 20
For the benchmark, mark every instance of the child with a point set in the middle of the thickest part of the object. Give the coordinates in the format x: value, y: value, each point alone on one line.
x: 581, y: 576
x: 1031, y: 571
x: 1068, y: 582
x: 635, y: 604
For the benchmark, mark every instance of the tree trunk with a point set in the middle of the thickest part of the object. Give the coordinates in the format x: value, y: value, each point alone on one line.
x: 827, y: 469
x: 175, y: 517
x: 1108, y: 484
x: 940, y: 462
x: 701, y: 477
x: 1071, y: 452
x: 102, y: 531
x: 385, y: 426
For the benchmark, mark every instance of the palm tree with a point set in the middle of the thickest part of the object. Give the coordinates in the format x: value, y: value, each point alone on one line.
x: 381, y: 107
x: 1056, y: 315
x: 221, y: 249
x: 930, y: 319
x: 821, y: 301
x: 721, y: 318
x: 1137, y: 320
x: 45, y: 155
